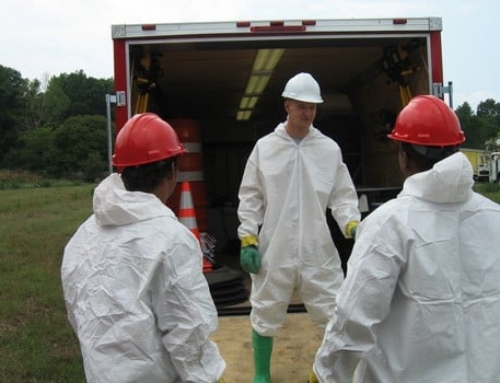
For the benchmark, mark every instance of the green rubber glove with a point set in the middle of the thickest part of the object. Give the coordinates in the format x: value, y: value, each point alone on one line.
x: 250, y: 259
x: 353, y: 232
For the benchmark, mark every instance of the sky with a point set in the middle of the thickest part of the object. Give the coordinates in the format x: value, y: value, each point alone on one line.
x: 43, y: 38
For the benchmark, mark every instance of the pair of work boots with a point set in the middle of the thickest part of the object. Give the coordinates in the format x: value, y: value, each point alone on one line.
x: 262, y: 350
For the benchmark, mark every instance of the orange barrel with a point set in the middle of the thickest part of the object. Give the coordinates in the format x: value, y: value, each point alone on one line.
x: 191, y: 169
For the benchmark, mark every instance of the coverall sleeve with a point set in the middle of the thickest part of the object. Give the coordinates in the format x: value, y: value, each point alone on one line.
x: 343, y: 200
x: 186, y: 314
x: 251, y: 207
x: 363, y: 301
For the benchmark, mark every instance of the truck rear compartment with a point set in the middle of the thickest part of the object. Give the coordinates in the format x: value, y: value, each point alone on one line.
x: 365, y: 79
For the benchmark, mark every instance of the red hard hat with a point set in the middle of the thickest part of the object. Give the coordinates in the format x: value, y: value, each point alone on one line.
x: 428, y: 121
x: 145, y: 138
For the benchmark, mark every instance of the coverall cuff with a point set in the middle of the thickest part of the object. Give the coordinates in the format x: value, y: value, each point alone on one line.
x: 249, y: 240
x: 348, y: 229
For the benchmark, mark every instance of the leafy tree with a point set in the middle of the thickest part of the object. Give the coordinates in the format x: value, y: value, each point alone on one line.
x: 468, y: 121
x: 12, y: 88
x: 44, y: 107
x: 33, y: 104
x: 32, y: 151
x: 86, y: 94
x: 465, y: 114
x: 488, y: 112
x: 55, y: 104
x: 489, y: 108
x: 482, y: 126
x: 57, y: 126
x: 76, y: 149
x: 79, y: 148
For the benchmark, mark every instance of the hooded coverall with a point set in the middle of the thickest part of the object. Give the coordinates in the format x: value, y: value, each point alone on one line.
x: 421, y: 299
x: 284, y: 194
x: 136, y: 295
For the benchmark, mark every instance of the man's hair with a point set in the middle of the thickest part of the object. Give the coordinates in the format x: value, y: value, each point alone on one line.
x: 146, y: 178
x: 424, y: 157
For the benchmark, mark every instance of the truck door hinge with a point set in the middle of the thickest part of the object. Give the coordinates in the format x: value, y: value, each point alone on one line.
x: 439, y: 90
x: 120, y: 98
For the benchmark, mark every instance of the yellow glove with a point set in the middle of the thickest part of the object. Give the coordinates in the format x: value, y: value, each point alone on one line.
x: 351, y: 228
x: 249, y: 240
x: 221, y: 380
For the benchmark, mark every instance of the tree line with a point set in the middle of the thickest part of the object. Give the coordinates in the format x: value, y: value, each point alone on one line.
x: 58, y: 127
x: 482, y: 128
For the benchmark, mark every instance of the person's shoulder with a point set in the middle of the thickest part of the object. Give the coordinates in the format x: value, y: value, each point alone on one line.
x: 270, y: 138
x: 315, y: 132
x: 387, y: 219
x: 167, y: 222
x: 170, y: 231
x: 389, y: 209
x: 266, y: 138
x: 89, y: 225
x: 485, y: 202
x: 318, y: 136
x: 278, y: 131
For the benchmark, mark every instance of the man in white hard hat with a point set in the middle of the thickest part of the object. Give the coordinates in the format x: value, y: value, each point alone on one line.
x: 291, y: 177
x: 421, y: 299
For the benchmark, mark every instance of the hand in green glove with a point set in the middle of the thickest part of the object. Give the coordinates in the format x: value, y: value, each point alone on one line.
x: 353, y: 232
x: 250, y: 259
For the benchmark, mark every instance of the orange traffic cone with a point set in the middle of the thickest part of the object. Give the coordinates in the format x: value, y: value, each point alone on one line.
x: 187, y: 216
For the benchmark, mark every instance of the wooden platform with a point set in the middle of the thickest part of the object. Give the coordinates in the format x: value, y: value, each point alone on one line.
x: 293, y: 352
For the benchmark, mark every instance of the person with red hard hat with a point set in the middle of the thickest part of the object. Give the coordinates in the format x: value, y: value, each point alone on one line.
x: 421, y: 298
x: 293, y: 175
x: 132, y: 277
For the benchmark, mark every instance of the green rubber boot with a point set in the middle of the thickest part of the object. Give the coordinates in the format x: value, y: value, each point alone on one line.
x: 262, y: 349
x: 312, y: 377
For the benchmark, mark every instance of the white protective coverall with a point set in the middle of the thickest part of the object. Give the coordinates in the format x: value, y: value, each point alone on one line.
x: 421, y: 299
x: 285, y: 191
x: 135, y: 293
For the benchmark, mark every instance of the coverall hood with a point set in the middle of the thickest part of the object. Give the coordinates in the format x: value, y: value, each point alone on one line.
x: 115, y: 206
x: 449, y: 181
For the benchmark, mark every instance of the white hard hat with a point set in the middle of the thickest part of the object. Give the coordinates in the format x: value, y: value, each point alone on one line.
x: 303, y: 87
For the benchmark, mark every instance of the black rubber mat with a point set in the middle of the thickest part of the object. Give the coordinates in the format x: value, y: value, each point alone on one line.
x: 227, y: 286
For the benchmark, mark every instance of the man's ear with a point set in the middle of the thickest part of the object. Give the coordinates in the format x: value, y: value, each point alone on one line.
x: 286, y: 104
x: 405, y: 163
x: 172, y: 174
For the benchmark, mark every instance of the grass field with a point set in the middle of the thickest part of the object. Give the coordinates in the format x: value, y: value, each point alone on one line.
x: 36, y: 342
x: 490, y: 190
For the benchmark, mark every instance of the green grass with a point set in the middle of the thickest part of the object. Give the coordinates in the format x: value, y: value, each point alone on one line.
x: 10, y: 179
x: 36, y: 342
x: 490, y: 190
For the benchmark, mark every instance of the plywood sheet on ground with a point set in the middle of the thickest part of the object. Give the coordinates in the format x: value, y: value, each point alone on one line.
x: 293, y: 352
